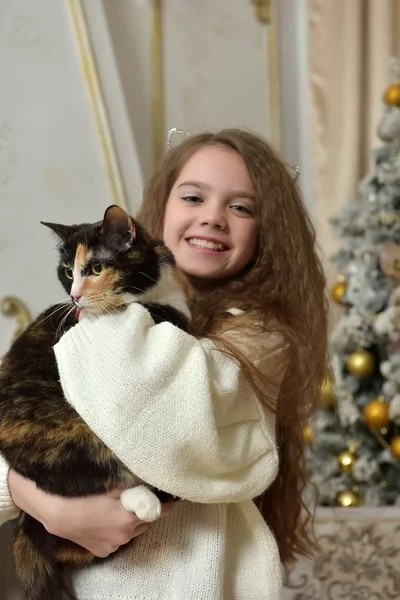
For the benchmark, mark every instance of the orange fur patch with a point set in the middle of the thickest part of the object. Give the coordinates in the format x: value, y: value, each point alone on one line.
x: 101, y: 285
x: 99, y: 289
x: 81, y: 256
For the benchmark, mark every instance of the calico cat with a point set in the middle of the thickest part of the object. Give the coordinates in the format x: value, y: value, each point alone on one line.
x: 103, y: 267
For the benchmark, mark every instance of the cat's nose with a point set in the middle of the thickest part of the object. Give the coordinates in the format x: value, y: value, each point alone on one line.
x: 76, y: 297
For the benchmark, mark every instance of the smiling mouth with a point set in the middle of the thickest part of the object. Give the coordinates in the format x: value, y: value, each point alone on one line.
x: 207, y: 244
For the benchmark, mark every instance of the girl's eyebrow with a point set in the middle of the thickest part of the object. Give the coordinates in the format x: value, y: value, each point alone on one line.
x: 197, y: 184
x: 205, y: 186
x: 240, y: 194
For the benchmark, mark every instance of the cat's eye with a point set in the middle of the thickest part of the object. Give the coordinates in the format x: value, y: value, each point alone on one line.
x: 97, y: 268
x: 68, y: 273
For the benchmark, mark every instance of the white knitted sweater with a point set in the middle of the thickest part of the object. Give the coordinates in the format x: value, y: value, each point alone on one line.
x: 181, y: 415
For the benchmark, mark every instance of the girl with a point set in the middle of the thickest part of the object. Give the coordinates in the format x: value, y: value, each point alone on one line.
x: 217, y: 417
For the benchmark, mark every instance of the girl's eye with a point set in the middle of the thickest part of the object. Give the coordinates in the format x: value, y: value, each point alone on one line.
x: 68, y: 273
x: 241, y: 209
x: 97, y: 268
x: 192, y: 199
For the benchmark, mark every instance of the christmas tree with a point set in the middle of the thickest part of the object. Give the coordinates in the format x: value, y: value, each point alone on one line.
x: 354, y: 445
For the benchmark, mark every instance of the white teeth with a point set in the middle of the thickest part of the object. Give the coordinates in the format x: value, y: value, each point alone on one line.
x: 199, y: 243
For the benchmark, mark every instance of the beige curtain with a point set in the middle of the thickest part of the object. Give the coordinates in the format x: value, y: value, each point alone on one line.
x: 350, y: 43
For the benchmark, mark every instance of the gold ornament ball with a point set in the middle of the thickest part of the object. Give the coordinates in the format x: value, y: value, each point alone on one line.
x: 376, y: 414
x: 361, y: 363
x: 392, y: 95
x: 338, y: 291
x: 395, y: 447
x: 346, y: 461
x: 327, y: 398
x: 308, y: 434
x: 348, y: 499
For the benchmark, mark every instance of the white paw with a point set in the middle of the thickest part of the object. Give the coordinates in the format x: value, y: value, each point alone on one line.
x: 141, y: 501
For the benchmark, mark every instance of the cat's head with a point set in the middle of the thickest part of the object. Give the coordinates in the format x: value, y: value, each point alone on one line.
x: 109, y: 264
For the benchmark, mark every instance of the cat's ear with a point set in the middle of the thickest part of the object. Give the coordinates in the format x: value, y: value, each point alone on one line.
x: 118, y: 222
x: 62, y: 231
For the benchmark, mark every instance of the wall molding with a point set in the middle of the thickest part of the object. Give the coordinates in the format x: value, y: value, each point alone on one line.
x: 266, y: 12
x: 90, y: 75
x: 157, y: 81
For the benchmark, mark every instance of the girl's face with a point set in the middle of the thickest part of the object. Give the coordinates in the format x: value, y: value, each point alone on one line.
x: 210, y: 220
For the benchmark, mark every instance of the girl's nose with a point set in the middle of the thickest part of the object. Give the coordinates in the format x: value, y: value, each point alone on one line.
x: 214, y: 218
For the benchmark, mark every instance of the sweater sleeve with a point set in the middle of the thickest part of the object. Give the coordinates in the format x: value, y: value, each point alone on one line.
x: 8, y: 510
x: 177, y: 411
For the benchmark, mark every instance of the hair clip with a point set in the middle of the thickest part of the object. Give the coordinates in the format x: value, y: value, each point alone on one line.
x: 296, y: 170
x: 176, y: 131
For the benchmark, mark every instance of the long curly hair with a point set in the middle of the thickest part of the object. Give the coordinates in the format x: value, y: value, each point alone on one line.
x: 285, y: 282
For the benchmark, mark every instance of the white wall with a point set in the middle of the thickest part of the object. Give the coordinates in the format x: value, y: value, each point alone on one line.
x: 51, y: 163
x: 215, y: 57
x: 215, y: 66
x: 295, y: 120
x: 129, y: 23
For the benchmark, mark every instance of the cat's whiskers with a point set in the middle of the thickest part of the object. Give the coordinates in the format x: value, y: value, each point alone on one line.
x: 136, y: 289
x: 148, y: 276
x: 95, y: 299
x: 67, y: 308
x: 107, y: 309
x: 60, y: 307
x: 62, y: 322
x: 100, y: 304
x: 107, y: 301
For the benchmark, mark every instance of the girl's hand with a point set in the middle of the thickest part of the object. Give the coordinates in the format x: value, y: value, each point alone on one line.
x: 98, y: 523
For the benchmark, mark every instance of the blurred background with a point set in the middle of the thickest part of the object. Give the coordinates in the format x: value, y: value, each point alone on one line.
x: 89, y: 91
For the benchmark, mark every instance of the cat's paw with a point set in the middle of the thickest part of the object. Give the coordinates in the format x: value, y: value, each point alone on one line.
x: 141, y: 501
